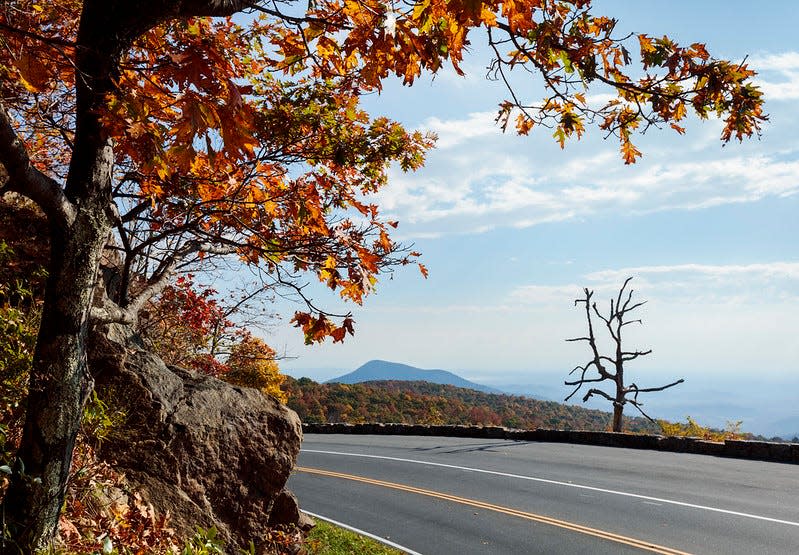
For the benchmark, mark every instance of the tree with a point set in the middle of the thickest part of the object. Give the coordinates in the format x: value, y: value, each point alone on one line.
x: 252, y: 364
x: 188, y: 326
x: 171, y: 136
x: 611, y: 368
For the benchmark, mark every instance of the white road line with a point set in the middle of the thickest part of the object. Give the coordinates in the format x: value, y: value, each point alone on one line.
x: 566, y: 484
x: 363, y: 533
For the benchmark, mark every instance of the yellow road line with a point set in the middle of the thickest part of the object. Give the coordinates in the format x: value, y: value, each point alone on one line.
x: 641, y: 544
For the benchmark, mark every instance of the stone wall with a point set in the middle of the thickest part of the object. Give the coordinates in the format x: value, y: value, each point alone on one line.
x: 755, y: 450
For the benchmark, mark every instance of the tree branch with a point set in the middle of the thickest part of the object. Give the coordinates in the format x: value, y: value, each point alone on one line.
x: 23, y: 178
x: 637, y: 390
x: 159, y: 10
x: 111, y: 312
x: 637, y: 405
x: 626, y: 357
x: 592, y: 392
x: 52, y: 41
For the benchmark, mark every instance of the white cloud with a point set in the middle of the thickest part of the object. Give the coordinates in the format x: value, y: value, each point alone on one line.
x: 583, y: 194
x: 454, y: 132
x: 479, y: 178
x: 484, y: 186
x: 779, y: 77
x: 784, y: 61
x: 788, y: 270
x: 546, y: 294
x: 600, y: 99
x: 785, y: 90
x: 730, y: 284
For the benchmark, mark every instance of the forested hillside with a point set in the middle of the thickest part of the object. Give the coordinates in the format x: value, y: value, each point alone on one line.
x: 428, y: 403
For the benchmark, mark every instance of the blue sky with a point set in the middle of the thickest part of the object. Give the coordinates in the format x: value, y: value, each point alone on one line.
x: 512, y: 228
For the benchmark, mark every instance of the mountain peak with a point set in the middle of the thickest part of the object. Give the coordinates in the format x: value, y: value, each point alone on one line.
x: 381, y: 370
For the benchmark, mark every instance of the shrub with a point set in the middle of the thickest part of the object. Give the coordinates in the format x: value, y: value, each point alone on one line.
x: 691, y: 428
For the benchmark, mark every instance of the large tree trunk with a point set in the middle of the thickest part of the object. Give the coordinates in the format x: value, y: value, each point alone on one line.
x: 59, y: 385
x: 60, y: 381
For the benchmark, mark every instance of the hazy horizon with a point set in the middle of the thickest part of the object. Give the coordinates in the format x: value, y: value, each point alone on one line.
x: 764, y: 405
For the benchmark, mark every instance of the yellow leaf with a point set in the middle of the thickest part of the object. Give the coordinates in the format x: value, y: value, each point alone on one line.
x: 488, y: 17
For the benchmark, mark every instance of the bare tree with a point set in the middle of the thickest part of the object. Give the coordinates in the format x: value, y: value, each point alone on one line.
x: 611, y: 368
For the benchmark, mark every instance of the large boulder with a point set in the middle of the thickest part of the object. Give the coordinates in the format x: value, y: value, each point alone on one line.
x: 209, y: 453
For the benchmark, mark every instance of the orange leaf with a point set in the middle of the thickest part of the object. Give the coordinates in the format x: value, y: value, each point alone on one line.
x: 33, y: 73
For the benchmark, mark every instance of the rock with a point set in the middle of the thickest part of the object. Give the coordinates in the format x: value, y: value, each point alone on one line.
x: 286, y: 511
x: 209, y: 453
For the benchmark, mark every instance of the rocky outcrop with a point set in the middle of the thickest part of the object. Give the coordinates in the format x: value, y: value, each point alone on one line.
x: 210, y: 453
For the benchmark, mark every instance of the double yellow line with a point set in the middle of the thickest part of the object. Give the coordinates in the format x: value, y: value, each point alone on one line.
x: 641, y: 544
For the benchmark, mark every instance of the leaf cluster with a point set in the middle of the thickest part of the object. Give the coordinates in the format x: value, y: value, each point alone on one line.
x: 22, y: 275
x: 562, y: 42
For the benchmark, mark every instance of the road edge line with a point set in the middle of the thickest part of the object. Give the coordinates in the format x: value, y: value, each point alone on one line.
x: 363, y: 533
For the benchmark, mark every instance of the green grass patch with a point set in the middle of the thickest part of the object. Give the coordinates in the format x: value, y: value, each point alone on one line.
x: 327, y: 539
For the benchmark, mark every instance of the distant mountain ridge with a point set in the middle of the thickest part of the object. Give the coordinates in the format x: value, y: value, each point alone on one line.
x: 423, y: 402
x: 383, y: 370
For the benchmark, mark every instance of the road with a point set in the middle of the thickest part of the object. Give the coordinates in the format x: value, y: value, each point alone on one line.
x: 459, y: 496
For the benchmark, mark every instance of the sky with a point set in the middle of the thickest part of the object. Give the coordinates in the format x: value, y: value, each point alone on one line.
x: 512, y: 228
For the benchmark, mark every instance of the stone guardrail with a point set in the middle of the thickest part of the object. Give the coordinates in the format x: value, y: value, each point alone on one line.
x: 739, y: 449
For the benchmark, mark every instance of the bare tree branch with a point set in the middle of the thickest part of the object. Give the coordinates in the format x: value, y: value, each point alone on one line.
x: 592, y: 392
x: 626, y: 357
x: 637, y: 405
x: 651, y: 389
x: 578, y: 339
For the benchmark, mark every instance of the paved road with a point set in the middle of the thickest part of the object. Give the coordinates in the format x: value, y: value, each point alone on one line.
x: 459, y: 496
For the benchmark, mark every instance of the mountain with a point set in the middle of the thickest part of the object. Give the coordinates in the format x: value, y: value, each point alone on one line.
x: 422, y: 402
x: 381, y: 370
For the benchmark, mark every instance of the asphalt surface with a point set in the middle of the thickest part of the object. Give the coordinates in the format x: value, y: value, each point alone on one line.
x: 461, y: 496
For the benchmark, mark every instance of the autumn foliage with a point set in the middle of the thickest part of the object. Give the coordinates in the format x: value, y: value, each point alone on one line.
x: 188, y: 326
x: 252, y: 364
x: 428, y: 403
x: 691, y: 428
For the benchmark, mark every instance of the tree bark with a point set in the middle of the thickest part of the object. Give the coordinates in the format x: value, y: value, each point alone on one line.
x: 618, y: 409
x: 60, y: 383
x: 621, y: 395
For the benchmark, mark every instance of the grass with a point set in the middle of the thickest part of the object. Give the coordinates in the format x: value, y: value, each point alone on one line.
x: 327, y: 539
